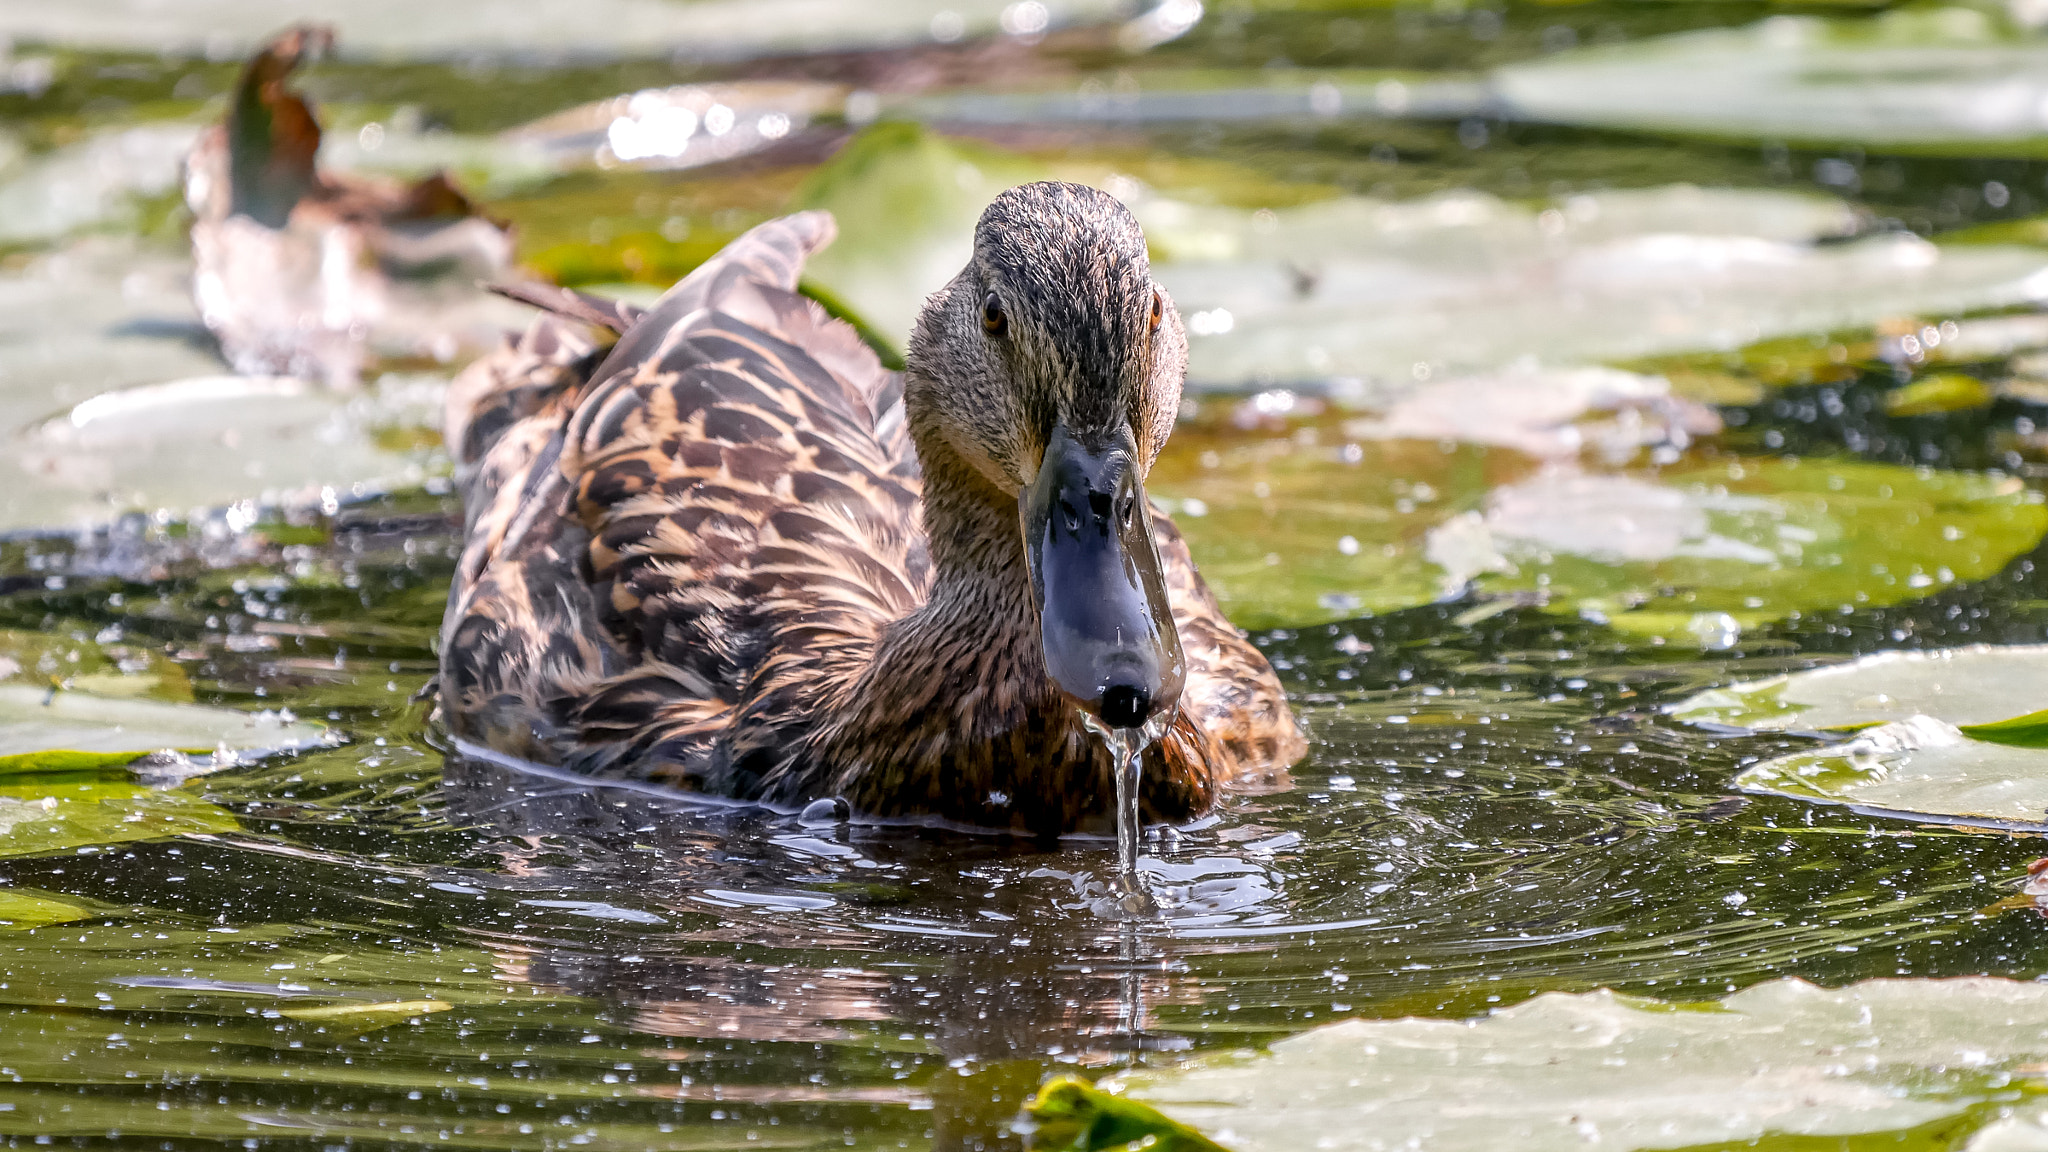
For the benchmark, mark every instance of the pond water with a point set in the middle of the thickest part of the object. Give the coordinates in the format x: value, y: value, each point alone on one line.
x: 1523, y: 415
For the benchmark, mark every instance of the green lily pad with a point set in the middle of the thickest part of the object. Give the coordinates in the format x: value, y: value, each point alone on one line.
x: 1715, y: 550
x: 1953, y: 733
x: 1780, y: 1064
x: 41, y: 815
x: 42, y: 731
x: 593, y: 29
x: 1367, y: 297
x: 1917, y: 765
x: 1978, y: 685
x: 1951, y: 80
x: 1294, y: 532
x: 64, y: 779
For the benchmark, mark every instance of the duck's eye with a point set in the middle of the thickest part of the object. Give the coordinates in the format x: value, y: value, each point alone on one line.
x: 992, y: 317
x: 1158, y: 309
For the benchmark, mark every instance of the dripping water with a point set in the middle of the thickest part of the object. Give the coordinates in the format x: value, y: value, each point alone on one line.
x: 1127, y: 759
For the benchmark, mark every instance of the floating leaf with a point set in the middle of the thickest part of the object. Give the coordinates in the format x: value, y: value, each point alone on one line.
x: 906, y: 201
x: 64, y: 756
x: 215, y: 440
x: 1916, y: 765
x: 45, y: 731
x: 591, y: 30
x: 1936, y: 79
x: 1937, y: 732
x: 1294, y: 531
x: 1981, y: 684
x: 1927, y: 1060
x: 43, y: 815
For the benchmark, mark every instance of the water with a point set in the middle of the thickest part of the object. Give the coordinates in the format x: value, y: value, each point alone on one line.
x: 396, y: 942
x: 1127, y: 754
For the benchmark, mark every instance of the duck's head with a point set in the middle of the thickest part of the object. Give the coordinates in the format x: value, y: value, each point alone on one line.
x: 1052, y: 367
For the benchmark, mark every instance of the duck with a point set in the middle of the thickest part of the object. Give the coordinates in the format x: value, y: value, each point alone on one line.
x: 715, y: 545
x: 296, y: 268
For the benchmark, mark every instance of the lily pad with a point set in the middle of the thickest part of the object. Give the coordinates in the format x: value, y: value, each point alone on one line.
x: 1955, y: 733
x: 1711, y: 551
x: 906, y: 201
x: 1781, y: 1061
x: 1370, y: 298
x: 42, y: 731
x: 1292, y: 532
x: 1916, y: 766
x: 211, y: 441
x: 1977, y: 685
x: 1944, y: 79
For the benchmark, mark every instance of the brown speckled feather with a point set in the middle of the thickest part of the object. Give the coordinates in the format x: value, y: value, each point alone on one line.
x: 701, y: 558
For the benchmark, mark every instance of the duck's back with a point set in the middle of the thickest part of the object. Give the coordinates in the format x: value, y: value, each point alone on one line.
x: 685, y: 531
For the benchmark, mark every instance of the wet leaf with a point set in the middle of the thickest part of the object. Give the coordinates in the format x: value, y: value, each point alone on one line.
x: 1071, y: 1115
x: 1916, y: 765
x: 1982, y: 684
x: 595, y: 29
x: 1294, y: 531
x: 1949, y: 733
x: 906, y: 200
x: 211, y: 441
x: 44, y: 815
x: 1922, y: 1060
x: 44, y: 731
x: 2028, y: 731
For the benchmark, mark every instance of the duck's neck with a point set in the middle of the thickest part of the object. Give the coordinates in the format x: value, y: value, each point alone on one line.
x: 955, y: 706
x: 980, y: 600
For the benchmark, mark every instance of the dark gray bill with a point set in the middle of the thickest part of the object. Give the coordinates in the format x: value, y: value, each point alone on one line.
x: 1110, y: 643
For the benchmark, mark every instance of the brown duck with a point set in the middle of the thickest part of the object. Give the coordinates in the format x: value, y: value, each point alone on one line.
x: 294, y: 267
x: 731, y: 553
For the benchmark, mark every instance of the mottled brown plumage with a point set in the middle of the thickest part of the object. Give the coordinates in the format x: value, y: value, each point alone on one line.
x: 733, y: 554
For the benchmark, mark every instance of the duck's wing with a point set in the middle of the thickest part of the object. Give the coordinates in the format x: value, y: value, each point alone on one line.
x: 749, y: 527
x: 1233, y: 712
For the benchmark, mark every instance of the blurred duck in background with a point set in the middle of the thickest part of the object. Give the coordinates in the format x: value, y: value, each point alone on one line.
x: 296, y: 267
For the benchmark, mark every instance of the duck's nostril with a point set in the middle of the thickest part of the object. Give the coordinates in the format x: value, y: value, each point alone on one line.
x: 1125, y: 705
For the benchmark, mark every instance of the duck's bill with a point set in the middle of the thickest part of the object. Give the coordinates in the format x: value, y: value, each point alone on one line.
x: 1110, y: 642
